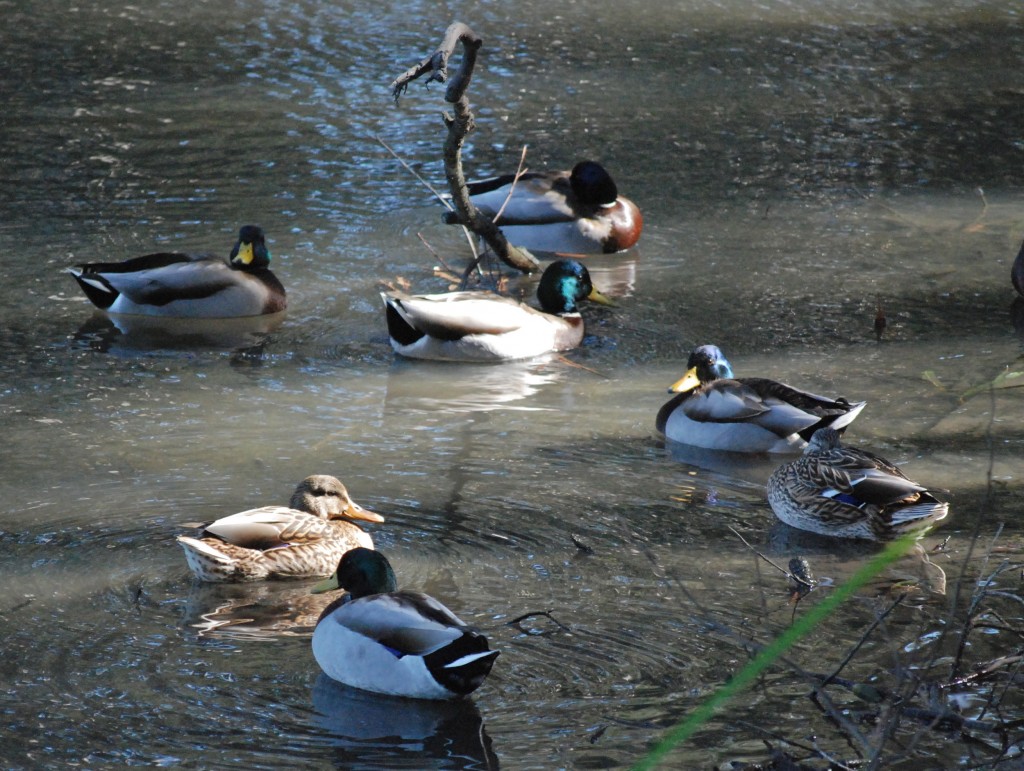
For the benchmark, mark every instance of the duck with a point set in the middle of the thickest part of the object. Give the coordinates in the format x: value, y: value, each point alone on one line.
x: 176, y: 285
x: 847, y: 492
x: 559, y: 211
x: 302, y: 540
x: 716, y: 411
x: 482, y: 326
x: 377, y: 638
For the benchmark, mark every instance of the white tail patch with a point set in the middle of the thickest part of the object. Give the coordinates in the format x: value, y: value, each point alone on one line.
x: 469, y: 659
x: 205, y: 550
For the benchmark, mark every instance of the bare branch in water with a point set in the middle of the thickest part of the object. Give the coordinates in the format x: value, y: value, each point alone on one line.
x: 459, y: 126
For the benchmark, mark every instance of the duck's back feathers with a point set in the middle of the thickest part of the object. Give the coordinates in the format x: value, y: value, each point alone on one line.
x: 578, y: 211
x: 270, y: 527
x: 539, y: 198
x: 793, y: 411
x: 454, y: 315
x: 409, y: 623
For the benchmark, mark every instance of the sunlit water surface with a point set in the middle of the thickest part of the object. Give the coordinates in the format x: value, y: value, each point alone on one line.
x: 800, y: 166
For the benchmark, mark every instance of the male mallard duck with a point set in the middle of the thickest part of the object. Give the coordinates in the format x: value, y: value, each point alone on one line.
x: 302, y: 540
x: 481, y: 326
x: 716, y: 412
x: 560, y: 211
x: 850, y: 493
x: 187, y: 285
x: 403, y: 643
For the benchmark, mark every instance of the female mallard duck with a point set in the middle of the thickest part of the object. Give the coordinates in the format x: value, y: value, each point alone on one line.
x: 560, y: 211
x: 187, y: 285
x: 302, y: 540
x: 481, y: 326
x: 716, y: 412
x: 850, y: 493
x: 404, y: 643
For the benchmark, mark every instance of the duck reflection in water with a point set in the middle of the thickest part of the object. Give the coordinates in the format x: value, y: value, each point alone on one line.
x: 401, y: 730
x: 456, y: 387
x: 262, y: 610
x: 836, y: 559
x: 615, y: 275
x: 134, y: 334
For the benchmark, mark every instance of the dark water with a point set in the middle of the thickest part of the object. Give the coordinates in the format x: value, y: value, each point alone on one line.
x: 798, y: 166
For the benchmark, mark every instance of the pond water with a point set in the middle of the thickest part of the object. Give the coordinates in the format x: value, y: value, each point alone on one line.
x: 799, y: 166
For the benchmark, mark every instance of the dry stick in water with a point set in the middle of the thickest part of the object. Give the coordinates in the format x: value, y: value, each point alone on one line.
x: 437, y: 195
x: 459, y: 127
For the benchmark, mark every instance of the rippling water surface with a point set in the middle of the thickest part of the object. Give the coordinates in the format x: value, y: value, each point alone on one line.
x: 799, y: 165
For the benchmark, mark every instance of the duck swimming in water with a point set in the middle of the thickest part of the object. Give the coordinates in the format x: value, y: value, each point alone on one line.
x: 715, y: 411
x: 482, y: 326
x: 403, y: 643
x: 179, y: 285
x: 847, y: 492
x: 578, y: 211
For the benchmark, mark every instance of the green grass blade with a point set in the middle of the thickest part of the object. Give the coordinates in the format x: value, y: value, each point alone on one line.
x: 803, y: 625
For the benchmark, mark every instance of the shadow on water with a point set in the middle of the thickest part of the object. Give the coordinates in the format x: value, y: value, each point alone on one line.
x: 371, y: 728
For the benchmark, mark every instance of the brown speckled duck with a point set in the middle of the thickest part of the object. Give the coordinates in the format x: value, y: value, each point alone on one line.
x: 303, y: 540
x: 847, y: 492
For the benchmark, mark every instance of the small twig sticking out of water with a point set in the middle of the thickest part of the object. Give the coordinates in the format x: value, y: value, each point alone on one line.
x: 799, y: 573
x: 854, y: 738
x: 577, y: 365
x: 801, y: 581
x: 879, y: 319
x: 19, y: 606
x: 435, y: 254
x: 411, y: 170
x: 517, y: 621
x: 581, y: 544
x: 459, y: 126
x: 519, y: 172
x: 863, y: 639
x: 432, y: 189
x: 759, y: 554
x: 977, y: 225
x: 633, y: 723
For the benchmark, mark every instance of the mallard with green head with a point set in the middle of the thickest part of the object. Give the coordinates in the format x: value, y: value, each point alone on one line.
x: 715, y: 411
x: 403, y: 643
x: 302, y: 540
x: 482, y: 326
x: 847, y: 492
x: 578, y: 211
x: 187, y: 285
